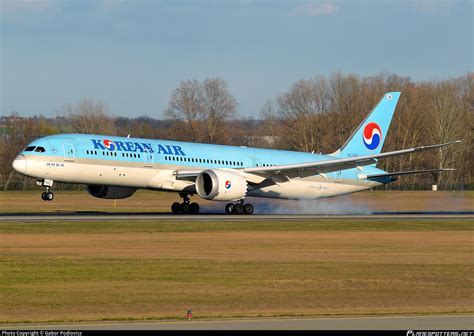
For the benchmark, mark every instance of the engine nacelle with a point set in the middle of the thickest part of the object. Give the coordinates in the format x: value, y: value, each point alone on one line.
x: 221, y: 185
x: 109, y: 192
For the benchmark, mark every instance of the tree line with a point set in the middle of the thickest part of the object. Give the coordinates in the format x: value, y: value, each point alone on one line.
x: 314, y: 115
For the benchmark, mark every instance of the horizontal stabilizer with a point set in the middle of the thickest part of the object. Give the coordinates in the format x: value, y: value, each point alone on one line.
x: 409, y: 172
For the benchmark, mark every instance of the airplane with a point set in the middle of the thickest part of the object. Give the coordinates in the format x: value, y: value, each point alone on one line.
x: 114, y: 167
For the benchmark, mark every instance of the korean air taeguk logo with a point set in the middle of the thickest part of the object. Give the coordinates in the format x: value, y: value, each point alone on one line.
x: 227, y: 184
x: 109, y: 144
x: 372, y: 135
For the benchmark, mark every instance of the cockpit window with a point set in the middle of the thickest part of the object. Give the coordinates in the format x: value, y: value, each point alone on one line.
x: 40, y: 149
x: 29, y: 148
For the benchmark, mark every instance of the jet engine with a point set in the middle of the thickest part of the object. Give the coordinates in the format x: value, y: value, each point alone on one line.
x: 109, y: 192
x: 221, y: 185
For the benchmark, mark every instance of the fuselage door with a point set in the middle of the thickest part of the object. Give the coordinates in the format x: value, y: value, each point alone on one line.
x: 148, y: 159
x: 68, y: 152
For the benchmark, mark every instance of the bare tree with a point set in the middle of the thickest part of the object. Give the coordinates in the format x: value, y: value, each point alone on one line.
x: 300, y: 111
x: 219, y: 106
x: 271, y: 126
x: 18, y: 133
x: 88, y: 116
x: 200, y: 111
x: 185, y: 108
x: 448, y: 116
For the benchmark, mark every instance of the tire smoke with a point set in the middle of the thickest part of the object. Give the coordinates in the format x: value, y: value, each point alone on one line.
x: 342, y: 205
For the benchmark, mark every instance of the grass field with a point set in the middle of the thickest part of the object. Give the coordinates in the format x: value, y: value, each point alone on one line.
x: 149, y: 201
x: 72, y: 271
x: 150, y: 270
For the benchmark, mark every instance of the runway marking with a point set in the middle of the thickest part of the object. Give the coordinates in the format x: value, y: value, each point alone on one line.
x: 212, y: 217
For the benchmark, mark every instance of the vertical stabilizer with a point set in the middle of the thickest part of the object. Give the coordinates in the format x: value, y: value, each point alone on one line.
x: 370, y: 135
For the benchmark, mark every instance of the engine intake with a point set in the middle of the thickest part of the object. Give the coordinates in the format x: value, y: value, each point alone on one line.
x: 109, y: 192
x: 221, y: 185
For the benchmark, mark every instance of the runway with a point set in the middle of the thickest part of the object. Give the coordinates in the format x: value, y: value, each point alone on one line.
x: 455, y: 322
x: 160, y: 216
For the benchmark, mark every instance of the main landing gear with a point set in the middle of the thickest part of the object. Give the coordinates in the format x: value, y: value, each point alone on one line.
x: 239, y: 208
x: 47, y: 195
x: 186, y: 207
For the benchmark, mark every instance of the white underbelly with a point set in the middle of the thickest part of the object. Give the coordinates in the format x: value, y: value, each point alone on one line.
x: 303, y: 189
x: 83, y: 173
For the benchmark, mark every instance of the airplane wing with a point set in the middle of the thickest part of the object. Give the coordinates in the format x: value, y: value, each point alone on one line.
x: 375, y: 176
x: 257, y: 174
x: 329, y: 166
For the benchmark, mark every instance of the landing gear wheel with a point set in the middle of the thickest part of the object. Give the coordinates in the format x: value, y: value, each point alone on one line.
x: 176, y: 208
x: 47, y: 196
x: 194, y: 208
x: 229, y: 208
x: 248, y: 209
x: 238, y: 209
x: 185, y: 208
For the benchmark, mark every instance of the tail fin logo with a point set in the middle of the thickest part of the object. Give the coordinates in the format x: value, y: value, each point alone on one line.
x: 372, y: 135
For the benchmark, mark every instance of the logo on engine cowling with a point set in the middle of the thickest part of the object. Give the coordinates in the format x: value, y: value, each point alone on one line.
x: 227, y: 184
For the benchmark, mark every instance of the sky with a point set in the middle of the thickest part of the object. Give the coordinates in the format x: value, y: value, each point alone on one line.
x: 131, y: 54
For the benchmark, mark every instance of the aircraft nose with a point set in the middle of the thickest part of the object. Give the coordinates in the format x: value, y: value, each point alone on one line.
x: 19, y: 164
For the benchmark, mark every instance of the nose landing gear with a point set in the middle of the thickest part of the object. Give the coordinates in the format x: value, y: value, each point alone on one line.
x: 47, y: 195
x: 186, y: 207
x: 239, y: 208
